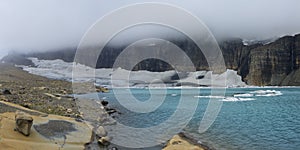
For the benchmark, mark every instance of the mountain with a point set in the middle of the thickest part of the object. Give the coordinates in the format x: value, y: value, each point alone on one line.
x: 260, y: 63
x: 276, y: 63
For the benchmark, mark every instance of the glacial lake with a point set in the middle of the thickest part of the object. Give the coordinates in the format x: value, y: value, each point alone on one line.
x: 250, y: 118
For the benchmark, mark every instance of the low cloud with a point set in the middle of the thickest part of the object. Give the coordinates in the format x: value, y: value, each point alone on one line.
x: 35, y: 25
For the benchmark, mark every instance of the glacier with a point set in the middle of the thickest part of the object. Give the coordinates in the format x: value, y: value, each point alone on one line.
x: 118, y: 77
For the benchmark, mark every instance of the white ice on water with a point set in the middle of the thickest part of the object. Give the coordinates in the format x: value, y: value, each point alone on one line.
x: 251, y: 95
x: 266, y: 93
x: 235, y: 99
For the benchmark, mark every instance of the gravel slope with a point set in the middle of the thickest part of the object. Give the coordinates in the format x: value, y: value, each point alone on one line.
x: 36, y: 92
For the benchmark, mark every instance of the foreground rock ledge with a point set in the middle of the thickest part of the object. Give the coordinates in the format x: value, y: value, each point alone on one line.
x: 178, y: 142
x: 74, y: 139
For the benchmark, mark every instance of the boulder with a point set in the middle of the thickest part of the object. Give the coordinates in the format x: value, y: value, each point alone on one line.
x: 5, y: 92
x: 23, y: 123
x: 102, y: 89
x: 105, y: 141
x: 104, y: 103
x: 101, y: 132
x: 110, y: 110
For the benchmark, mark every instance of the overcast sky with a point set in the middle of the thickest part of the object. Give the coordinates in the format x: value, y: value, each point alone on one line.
x: 53, y: 24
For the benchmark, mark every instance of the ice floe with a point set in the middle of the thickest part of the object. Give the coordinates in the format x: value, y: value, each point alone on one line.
x: 266, y: 93
x: 243, y: 95
x: 210, y: 96
x: 236, y: 99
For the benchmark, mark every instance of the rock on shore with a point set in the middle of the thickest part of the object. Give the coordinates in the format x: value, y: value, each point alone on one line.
x: 23, y: 123
x: 181, y: 142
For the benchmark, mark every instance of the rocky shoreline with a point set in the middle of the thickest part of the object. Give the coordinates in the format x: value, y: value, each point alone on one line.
x: 58, y: 122
x: 36, y: 92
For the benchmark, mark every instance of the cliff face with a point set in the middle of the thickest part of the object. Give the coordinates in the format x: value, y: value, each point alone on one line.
x: 276, y: 63
x: 296, y: 53
x: 270, y: 64
x: 293, y: 78
x: 233, y: 53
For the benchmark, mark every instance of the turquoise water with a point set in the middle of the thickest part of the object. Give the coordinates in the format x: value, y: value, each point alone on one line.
x: 259, y: 122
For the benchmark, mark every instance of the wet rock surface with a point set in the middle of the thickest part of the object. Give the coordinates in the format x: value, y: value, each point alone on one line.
x: 55, y: 128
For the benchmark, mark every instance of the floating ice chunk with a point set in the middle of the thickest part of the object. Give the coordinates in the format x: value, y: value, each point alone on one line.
x: 210, y: 96
x: 230, y: 99
x: 266, y: 93
x: 174, y: 94
x: 236, y: 99
x: 246, y: 99
x: 243, y: 95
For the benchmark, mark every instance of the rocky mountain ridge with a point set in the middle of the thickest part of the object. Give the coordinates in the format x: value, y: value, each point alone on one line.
x: 275, y: 64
